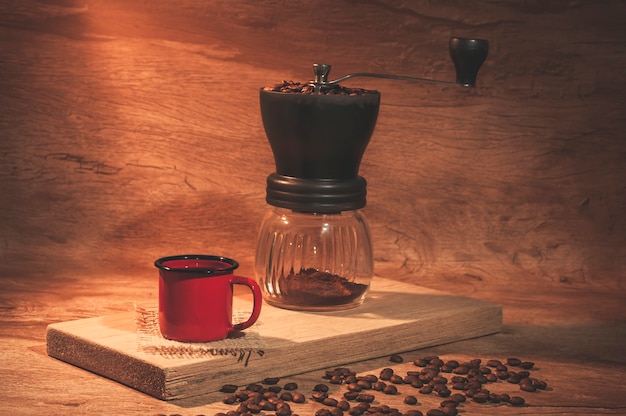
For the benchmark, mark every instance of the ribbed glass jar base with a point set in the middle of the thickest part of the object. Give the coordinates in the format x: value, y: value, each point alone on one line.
x: 314, y: 262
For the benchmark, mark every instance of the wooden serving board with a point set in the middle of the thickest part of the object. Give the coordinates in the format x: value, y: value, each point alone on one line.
x: 395, y: 317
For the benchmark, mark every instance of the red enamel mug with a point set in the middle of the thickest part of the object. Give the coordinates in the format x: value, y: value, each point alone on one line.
x: 196, y: 297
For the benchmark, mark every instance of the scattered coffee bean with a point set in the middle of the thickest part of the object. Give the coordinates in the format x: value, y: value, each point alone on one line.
x: 430, y: 372
x: 410, y: 400
x: 363, y: 397
x: 275, y: 400
x: 329, y: 401
x: 268, y: 394
x: 242, y: 395
x: 449, y: 410
x: 286, y: 396
x: 473, y: 385
x: 462, y: 369
x: 271, y: 380
x: 514, y: 362
x: 494, y: 363
x: 351, y: 395
x: 291, y: 386
x: 426, y: 376
x: 448, y: 403
x: 494, y: 398
x: 321, y: 387
x: 457, y: 397
x: 255, y: 387
x: 267, y: 405
x: 354, y: 387
x: 514, y: 378
x: 439, y: 380
x: 385, y: 374
x: 336, y: 380
x: 420, y: 362
x: 350, y: 379
x: 444, y: 392
x: 396, y: 358
x: 417, y: 384
x: 446, y: 368
x: 491, y: 378
x: 481, y: 397
x: 479, y: 379
x: 338, y: 373
x: 540, y: 384
x: 379, y: 386
x: 370, y: 377
x: 319, y: 396
x: 283, y: 410
x: 274, y: 389
x: 364, y: 384
x: 363, y: 405
x: 435, y: 362
x: 356, y: 411
x: 517, y: 401
x: 378, y: 409
x: 396, y: 379
x: 408, y: 379
x: 298, y: 398
x: 469, y: 378
x: 503, y: 375
x: 527, y: 385
x: 231, y: 399
x: 228, y: 388
x: 343, y: 405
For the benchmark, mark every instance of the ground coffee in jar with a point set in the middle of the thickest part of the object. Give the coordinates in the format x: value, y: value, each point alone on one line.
x: 311, y: 287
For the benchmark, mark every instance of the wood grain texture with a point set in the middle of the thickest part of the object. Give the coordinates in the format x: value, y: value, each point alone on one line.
x: 119, y: 116
x: 131, y: 130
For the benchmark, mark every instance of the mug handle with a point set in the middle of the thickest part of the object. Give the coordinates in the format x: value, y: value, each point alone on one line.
x: 257, y: 301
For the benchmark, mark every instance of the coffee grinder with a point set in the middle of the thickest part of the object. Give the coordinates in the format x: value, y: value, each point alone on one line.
x: 314, y: 251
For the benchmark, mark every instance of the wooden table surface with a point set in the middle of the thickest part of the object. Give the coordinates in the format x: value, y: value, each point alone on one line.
x: 581, y: 360
x: 130, y: 130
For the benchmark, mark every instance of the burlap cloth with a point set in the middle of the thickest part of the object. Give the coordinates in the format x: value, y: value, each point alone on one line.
x: 240, y: 346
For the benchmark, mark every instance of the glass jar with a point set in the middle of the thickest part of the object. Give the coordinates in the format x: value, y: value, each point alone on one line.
x: 314, y: 262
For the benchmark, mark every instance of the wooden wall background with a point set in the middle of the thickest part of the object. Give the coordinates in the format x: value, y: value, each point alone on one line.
x: 131, y: 130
